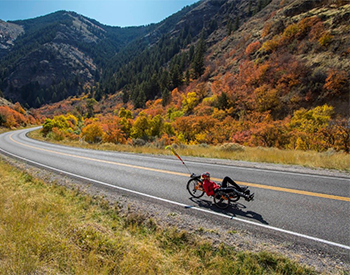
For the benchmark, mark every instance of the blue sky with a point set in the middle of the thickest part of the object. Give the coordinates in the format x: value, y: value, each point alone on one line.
x: 109, y: 12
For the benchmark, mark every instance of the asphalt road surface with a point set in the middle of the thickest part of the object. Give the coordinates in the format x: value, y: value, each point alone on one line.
x: 305, y: 206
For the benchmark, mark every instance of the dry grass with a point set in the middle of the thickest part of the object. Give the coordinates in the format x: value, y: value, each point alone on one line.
x: 3, y: 130
x: 325, y: 160
x: 48, y: 229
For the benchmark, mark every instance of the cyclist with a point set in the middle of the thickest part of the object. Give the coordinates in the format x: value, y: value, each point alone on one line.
x: 211, y: 187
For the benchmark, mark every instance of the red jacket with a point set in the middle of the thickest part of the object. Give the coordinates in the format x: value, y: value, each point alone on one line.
x: 209, y: 187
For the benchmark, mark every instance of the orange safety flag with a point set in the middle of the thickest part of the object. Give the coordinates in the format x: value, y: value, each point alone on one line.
x: 173, y: 151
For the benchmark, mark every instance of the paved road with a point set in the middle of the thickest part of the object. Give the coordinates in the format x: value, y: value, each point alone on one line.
x: 309, y: 206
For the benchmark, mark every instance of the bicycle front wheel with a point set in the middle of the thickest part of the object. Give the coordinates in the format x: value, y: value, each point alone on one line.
x: 194, y: 187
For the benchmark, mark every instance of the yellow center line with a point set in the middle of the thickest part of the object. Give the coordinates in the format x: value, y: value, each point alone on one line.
x: 280, y: 189
x: 295, y: 191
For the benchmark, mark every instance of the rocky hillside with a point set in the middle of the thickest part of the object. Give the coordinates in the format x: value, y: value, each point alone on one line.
x: 8, y: 34
x: 299, y: 50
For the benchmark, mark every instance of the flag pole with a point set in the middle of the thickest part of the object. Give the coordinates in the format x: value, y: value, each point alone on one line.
x: 174, y: 152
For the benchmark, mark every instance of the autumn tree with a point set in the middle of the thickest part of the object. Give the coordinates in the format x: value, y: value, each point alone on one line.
x: 113, y: 133
x: 269, y: 133
x: 140, y: 128
x: 341, y: 134
x: 62, y: 126
x: 123, y: 113
x: 267, y: 98
x: 190, y: 101
x: 252, y: 48
x: 93, y: 133
x: 197, y: 129
x: 156, y: 126
x: 307, y: 128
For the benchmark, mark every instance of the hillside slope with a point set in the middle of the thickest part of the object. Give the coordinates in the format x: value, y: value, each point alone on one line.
x: 288, y: 56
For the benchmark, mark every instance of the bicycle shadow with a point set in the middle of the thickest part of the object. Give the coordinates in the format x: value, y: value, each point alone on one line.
x: 235, y: 209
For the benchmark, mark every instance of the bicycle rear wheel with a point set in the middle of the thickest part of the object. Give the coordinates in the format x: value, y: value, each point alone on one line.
x: 222, y: 200
x: 234, y: 197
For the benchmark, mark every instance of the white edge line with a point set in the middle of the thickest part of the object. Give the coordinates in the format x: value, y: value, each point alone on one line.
x: 184, y: 205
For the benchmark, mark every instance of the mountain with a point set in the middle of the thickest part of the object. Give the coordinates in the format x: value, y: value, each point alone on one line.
x: 48, y: 58
x: 279, y: 54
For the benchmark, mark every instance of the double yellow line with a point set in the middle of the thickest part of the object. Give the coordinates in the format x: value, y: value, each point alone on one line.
x: 280, y: 189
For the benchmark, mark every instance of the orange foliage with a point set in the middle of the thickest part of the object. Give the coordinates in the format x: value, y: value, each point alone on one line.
x: 270, y: 134
x: 309, y: 26
x: 19, y: 108
x: 336, y: 82
x: 114, y: 134
x: 252, y: 48
x: 266, y: 29
x: 154, y: 108
x: 12, y: 118
x: 176, y: 98
x: 300, y: 30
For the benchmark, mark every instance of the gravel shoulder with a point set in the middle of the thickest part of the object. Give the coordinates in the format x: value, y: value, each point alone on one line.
x: 241, y: 238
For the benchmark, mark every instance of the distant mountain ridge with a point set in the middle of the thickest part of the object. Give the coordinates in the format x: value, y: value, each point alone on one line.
x: 56, y: 54
x: 48, y: 58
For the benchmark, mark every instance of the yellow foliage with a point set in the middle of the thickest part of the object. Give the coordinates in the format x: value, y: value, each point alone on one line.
x: 325, y: 39
x: 189, y: 102
x: 93, y: 133
x: 272, y: 45
x: 140, y: 127
x: 219, y: 114
x: 291, y: 31
x: 266, y: 98
x: 313, y: 120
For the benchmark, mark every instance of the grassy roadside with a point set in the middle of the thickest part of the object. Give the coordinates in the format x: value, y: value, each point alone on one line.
x: 46, y: 228
x: 326, y: 160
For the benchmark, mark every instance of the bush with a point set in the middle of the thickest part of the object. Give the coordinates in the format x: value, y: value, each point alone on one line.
x: 138, y: 142
x: 93, y: 133
x: 47, y: 127
x: 231, y: 147
x: 325, y: 39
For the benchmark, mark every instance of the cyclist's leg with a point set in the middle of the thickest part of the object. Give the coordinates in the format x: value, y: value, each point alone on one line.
x: 228, y: 179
